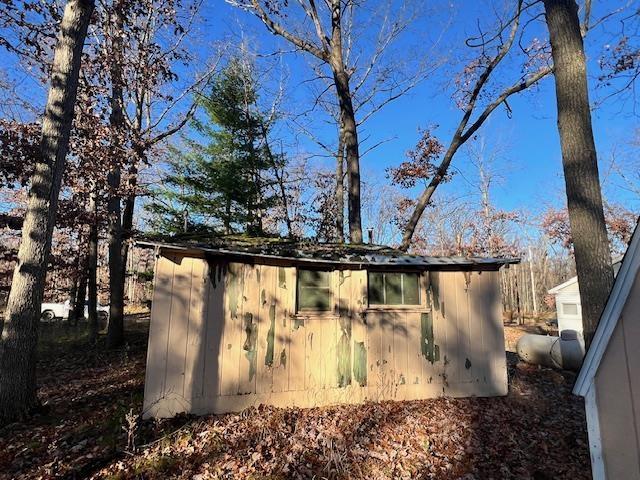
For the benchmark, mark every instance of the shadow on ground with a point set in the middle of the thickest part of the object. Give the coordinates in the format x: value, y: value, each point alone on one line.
x: 537, y: 431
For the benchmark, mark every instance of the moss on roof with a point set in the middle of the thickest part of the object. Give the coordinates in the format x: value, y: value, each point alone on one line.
x: 278, y: 246
x: 308, y: 251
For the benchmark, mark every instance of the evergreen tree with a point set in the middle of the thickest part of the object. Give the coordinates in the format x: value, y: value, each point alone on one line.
x: 220, y: 178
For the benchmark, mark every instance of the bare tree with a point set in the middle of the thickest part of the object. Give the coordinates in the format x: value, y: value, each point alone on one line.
x: 579, y: 161
x: 20, y: 328
x: 485, y: 66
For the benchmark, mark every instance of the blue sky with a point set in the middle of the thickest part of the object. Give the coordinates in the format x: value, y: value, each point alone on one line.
x: 530, y: 163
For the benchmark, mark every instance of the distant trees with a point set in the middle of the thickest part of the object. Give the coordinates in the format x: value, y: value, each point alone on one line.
x: 472, y: 93
x: 226, y: 179
x: 619, y: 220
x: 19, y: 332
x: 579, y: 161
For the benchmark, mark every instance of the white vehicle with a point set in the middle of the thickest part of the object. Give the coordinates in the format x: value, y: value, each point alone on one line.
x: 51, y: 311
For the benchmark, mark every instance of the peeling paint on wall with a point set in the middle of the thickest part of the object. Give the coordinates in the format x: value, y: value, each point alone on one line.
x: 344, y: 352
x: 467, y: 364
x: 298, y: 322
x: 283, y: 358
x: 282, y: 278
x: 268, y: 358
x: 251, y: 331
x: 429, y: 349
x: 360, y: 364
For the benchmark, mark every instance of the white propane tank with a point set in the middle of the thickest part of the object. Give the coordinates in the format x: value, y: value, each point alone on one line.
x: 565, y: 351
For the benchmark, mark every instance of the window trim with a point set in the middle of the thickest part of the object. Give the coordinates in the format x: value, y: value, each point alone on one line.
x: 574, y: 304
x: 399, y: 306
x: 315, y: 311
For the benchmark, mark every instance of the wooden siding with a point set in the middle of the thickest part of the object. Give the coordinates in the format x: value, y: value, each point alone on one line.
x: 226, y: 336
x: 617, y: 388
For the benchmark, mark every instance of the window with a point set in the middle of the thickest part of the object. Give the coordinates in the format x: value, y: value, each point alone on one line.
x: 314, y: 290
x: 387, y: 288
x: 570, y: 309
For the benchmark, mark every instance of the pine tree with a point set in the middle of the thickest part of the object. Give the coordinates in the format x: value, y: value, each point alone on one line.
x: 219, y: 179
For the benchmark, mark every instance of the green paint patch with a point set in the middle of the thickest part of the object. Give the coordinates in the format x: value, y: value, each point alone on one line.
x: 428, y: 347
x: 283, y: 358
x: 268, y: 358
x: 263, y: 297
x: 435, y: 296
x: 344, y: 353
x: 402, y: 380
x: 360, y: 364
x: 298, y: 322
x: 282, y: 278
x: 251, y: 331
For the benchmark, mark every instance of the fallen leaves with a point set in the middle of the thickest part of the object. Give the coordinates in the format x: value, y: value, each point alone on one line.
x: 537, y: 431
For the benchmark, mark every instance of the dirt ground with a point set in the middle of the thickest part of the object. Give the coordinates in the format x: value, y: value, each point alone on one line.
x: 90, y: 395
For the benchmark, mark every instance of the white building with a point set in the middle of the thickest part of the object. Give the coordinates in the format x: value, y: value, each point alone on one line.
x: 568, y: 305
x: 610, y: 378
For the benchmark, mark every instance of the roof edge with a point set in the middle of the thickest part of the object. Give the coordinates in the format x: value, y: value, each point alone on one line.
x: 462, y: 263
x: 610, y: 315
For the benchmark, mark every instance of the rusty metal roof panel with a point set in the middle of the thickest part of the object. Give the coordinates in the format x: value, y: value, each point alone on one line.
x: 325, y: 254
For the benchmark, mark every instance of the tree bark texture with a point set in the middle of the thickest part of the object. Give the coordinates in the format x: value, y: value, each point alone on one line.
x: 81, y: 292
x: 340, y: 187
x: 92, y: 268
x: 579, y: 161
x: 115, y: 330
x: 20, y: 328
x: 350, y: 138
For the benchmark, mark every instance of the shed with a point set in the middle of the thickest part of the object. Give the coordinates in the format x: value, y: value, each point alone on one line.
x: 293, y: 324
x: 568, y: 304
x: 610, y: 377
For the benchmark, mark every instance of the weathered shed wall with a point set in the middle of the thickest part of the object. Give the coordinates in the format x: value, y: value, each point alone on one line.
x: 617, y: 395
x: 226, y: 336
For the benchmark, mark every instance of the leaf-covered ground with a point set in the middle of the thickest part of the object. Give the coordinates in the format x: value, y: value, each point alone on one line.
x: 537, y: 431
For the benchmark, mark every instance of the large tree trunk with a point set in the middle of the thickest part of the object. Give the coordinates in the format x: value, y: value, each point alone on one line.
x: 350, y: 138
x: 115, y: 331
x: 92, y: 264
x: 20, y: 328
x: 579, y: 161
x: 340, y: 186
x: 349, y: 125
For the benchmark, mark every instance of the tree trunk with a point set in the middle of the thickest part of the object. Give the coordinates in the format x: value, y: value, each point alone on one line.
x: 81, y: 292
x: 77, y: 298
x: 20, y: 328
x: 340, y: 187
x: 348, y: 123
x: 350, y: 139
x: 115, y: 331
x: 579, y: 161
x: 92, y: 264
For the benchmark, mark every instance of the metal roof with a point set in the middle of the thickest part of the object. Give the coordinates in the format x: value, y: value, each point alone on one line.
x: 332, y: 255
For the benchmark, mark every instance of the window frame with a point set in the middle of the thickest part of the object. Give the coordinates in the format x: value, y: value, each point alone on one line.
x: 315, y: 311
x: 422, y: 287
x: 573, y: 304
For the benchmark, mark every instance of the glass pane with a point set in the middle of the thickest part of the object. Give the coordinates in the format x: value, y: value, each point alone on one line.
x: 376, y: 288
x: 393, y: 288
x: 310, y: 298
x: 315, y: 278
x: 410, y: 288
x: 570, y: 309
